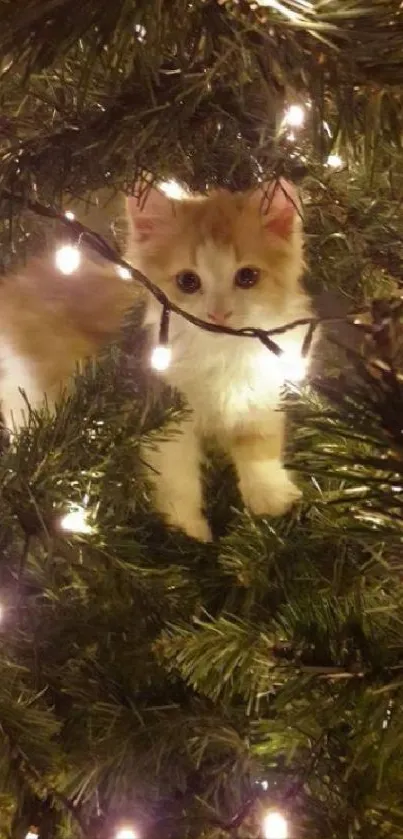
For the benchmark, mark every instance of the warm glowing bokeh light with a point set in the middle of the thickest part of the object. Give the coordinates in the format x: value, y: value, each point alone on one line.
x: 275, y: 826
x: 123, y: 272
x: 172, y: 189
x: 76, y: 521
x: 141, y: 32
x: 293, y: 366
x: 335, y: 161
x: 289, y: 367
x: 67, y: 259
x: 126, y: 832
x: 294, y: 116
x: 161, y: 358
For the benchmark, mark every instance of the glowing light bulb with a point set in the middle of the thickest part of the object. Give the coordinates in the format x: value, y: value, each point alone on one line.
x: 293, y: 366
x: 67, y: 259
x: 161, y: 358
x: 275, y: 826
x: 141, y: 32
x: 294, y: 116
x: 126, y: 832
x: 76, y: 521
x: 123, y: 272
x: 289, y: 367
x: 70, y: 215
x: 172, y: 189
x: 335, y: 161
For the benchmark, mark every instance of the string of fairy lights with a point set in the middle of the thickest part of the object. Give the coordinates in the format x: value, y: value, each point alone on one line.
x: 292, y: 367
x: 274, y: 826
x: 68, y: 260
x: 289, y: 366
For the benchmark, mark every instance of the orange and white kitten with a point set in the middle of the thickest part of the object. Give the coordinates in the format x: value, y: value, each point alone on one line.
x: 226, y: 258
x: 233, y: 259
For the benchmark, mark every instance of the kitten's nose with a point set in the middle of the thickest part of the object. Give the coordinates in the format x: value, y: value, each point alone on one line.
x: 219, y: 317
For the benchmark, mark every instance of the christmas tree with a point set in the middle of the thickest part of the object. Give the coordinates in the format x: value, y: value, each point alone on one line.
x: 151, y: 685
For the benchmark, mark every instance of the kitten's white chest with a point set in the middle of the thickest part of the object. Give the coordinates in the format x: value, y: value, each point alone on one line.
x: 227, y: 382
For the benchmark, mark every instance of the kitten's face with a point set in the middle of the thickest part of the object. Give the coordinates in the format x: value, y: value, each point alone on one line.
x: 226, y: 258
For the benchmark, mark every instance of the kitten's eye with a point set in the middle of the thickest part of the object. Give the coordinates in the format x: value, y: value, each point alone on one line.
x: 188, y: 281
x: 247, y: 276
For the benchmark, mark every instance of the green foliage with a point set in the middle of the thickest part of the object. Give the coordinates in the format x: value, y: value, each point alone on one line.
x: 143, y: 676
x: 156, y: 675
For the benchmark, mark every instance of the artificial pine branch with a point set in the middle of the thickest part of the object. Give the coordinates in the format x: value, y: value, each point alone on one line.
x: 96, y: 89
x: 174, y: 677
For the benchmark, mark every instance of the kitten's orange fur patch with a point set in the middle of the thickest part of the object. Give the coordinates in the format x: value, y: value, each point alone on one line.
x: 56, y: 320
x: 49, y: 321
x: 225, y: 220
x: 233, y: 389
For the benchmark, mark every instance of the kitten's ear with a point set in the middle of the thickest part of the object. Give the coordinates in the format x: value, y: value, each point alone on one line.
x: 151, y: 218
x: 280, y: 207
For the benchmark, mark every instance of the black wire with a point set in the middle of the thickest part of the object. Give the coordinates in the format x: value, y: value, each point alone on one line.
x: 164, y: 327
x: 104, y: 249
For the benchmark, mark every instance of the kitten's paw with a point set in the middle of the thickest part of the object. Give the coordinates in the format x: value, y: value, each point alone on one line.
x: 198, y: 528
x: 193, y: 524
x: 267, y: 488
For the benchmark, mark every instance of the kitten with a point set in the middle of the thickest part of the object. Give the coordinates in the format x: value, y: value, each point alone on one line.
x: 50, y: 321
x: 226, y: 258
x: 233, y: 259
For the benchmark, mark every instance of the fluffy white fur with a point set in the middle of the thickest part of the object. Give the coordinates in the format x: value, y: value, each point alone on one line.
x: 233, y: 385
x: 48, y: 322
